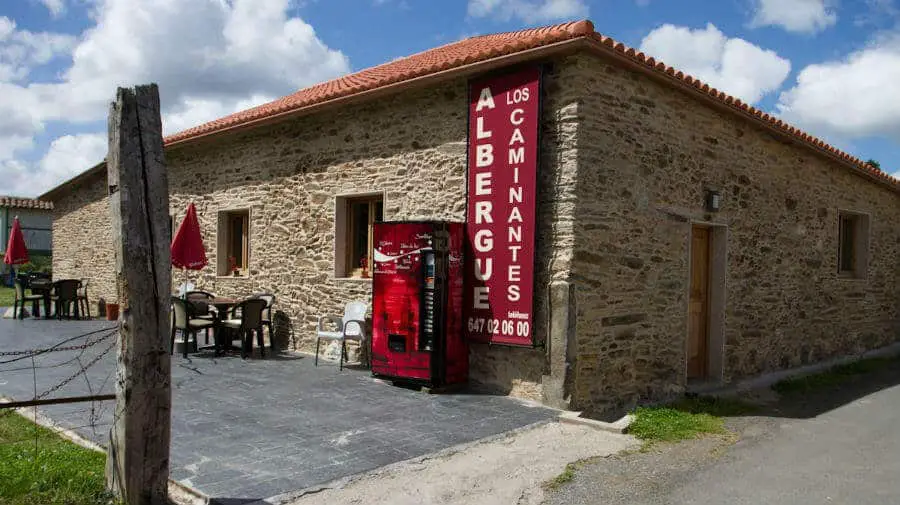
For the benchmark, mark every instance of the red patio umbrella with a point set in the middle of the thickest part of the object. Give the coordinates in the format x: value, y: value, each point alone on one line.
x: 16, y: 252
x: 188, y: 252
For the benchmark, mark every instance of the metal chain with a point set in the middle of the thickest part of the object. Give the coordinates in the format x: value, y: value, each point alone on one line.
x: 34, y: 352
x: 76, y: 374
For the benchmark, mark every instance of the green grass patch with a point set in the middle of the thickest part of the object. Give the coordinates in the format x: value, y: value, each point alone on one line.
x: 49, y: 471
x: 670, y: 424
x: 832, y: 377
x: 563, y: 478
x: 7, y: 296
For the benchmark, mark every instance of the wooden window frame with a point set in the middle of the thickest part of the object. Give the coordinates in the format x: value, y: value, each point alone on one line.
x: 345, y: 264
x: 859, y: 262
x: 223, y: 249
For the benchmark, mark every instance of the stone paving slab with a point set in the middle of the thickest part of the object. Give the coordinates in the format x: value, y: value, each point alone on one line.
x: 251, y: 429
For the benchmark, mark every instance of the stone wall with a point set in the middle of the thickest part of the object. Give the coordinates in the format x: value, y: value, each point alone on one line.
x: 411, y: 148
x: 82, y: 240
x: 646, y: 152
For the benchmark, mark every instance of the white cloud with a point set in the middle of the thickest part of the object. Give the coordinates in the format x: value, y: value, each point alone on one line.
x: 802, y: 16
x: 209, y: 57
x: 732, y: 65
x: 56, y: 7
x: 66, y: 157
x: 21, y: 50
x: 854, y: 97
x: 530, y: 11
x: 195, y: 111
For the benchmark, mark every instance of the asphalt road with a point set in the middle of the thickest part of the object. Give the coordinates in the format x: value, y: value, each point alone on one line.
x: 833, y: 447
x: 848, y: 455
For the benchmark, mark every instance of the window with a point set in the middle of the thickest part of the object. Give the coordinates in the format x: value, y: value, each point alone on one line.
x: 853, y: 248
x: 354, y: 234
x: 233, y: 252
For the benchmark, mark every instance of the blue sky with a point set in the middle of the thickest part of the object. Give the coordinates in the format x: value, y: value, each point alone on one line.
x: 828, y: 66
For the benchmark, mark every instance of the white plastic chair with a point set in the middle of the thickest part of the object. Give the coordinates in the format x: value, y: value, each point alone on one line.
x: 352, y: 326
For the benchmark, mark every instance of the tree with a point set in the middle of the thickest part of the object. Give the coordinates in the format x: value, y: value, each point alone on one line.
x: 874, y: 164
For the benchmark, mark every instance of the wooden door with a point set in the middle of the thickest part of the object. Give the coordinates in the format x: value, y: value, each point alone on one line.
x: 698, y: 305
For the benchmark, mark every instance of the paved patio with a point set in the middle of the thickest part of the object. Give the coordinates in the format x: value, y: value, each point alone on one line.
x: 248, y: 430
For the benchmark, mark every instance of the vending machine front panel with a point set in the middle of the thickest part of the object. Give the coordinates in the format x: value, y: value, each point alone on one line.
x: 400, y: 346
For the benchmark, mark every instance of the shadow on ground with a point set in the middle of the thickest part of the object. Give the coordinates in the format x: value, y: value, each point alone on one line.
x: 802, y: 397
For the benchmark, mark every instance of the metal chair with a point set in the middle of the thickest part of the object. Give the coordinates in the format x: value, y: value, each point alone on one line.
x: 267, y: 314
x: 185, y: 320
x: 352, y: 326
x: 21, y: 299
x: 250, y: 321
x: 65, y: 297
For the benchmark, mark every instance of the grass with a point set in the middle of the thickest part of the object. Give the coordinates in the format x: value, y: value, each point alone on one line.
x: 685, y: 419
x: 563, y: 478
x: 52, y: 471
x: 7, y: 296
x: 666, y: 424
x: 832, y: 377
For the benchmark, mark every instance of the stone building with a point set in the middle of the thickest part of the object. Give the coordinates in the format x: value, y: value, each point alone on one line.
x: 681, y: 235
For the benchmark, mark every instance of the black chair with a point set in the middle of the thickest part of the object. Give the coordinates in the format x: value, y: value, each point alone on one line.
x: 21, y: 299
x: 65, y: 297
x: 267, y: 315
x: 249, y: 321
x: 184, y: 319
x: 203, y: 308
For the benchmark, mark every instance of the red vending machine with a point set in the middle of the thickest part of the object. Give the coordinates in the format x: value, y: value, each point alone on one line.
x: 417, y: 303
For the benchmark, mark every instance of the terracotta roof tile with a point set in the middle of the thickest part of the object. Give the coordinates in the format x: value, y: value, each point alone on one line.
x: 483, y: 48
x: 24, y: 203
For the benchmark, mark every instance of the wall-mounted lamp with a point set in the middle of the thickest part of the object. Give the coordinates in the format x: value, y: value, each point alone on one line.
x: 713, y: 200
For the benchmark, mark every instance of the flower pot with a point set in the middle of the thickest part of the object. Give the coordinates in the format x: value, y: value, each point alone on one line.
x: 112, y: 311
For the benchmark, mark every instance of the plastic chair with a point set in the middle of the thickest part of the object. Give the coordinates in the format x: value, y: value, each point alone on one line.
x: 352, y: 326
x: 21, y: 299
x: 267, y: 314
x: 83, y: 298
x: 65, y: 296
x: 185, y: 320
x: 250, y: 321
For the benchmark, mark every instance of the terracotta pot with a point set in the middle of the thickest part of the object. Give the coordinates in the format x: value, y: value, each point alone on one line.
x: 112, y: 311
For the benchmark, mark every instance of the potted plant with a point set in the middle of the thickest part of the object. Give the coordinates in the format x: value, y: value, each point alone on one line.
x: 364, y: 264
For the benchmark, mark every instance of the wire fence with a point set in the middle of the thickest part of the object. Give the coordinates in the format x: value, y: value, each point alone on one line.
x: 62, y: 382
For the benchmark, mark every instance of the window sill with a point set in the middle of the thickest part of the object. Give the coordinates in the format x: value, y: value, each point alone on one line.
x: 354, y: 279
x: 235, y: 277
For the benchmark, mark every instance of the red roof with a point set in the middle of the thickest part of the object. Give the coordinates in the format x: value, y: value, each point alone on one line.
x: 487, y: 47
x: 24, y: 203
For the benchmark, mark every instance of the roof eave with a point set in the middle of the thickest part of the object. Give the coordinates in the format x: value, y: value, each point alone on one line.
x: 554, y: 49
x: 52, y: 194
x: 652, y: 72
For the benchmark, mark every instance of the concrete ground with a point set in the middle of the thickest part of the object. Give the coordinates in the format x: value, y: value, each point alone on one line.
x: 244, y: 430
x: 834, y: 445
x: 511, y: 469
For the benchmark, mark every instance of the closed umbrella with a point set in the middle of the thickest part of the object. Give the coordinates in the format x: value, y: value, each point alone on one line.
x: 188, y: 252
x: 16, y: 252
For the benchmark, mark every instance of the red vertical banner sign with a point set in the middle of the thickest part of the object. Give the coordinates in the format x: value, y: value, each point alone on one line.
x: 504, y: 119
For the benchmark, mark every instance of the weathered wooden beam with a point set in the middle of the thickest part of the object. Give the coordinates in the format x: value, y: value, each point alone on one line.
x: 54, y: 401
x: 138, y: 456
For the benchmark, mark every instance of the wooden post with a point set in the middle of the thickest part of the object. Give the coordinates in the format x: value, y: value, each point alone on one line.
x: 138, y: 458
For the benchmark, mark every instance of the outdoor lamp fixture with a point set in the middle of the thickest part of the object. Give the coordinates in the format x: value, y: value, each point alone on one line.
x: 713, y: 200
